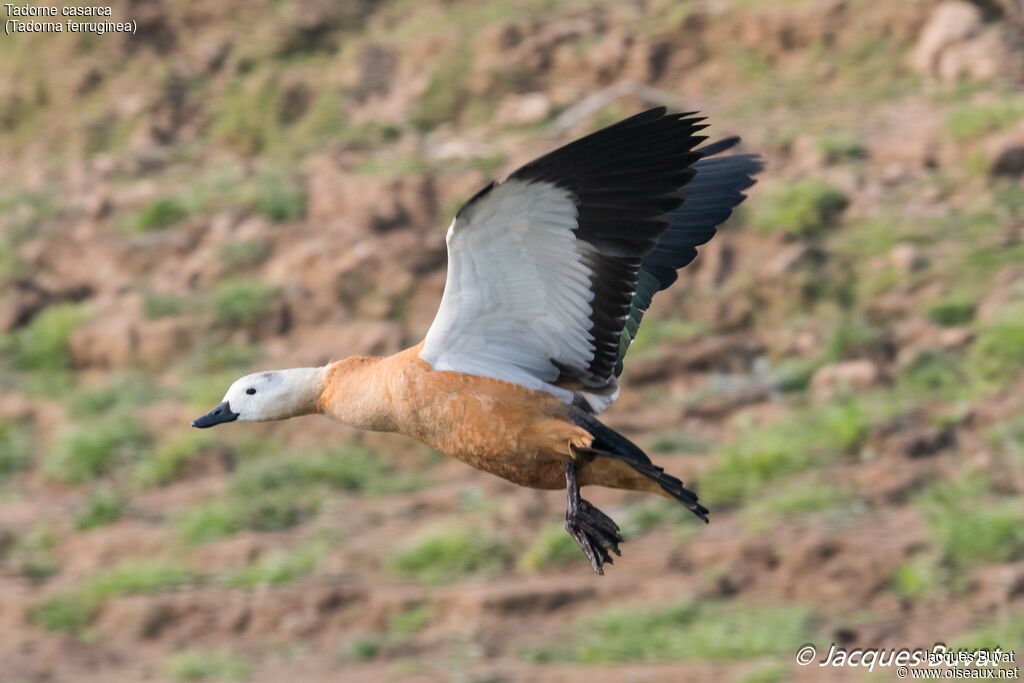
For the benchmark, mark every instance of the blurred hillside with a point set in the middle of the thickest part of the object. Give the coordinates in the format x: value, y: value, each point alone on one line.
x: 255, y: 185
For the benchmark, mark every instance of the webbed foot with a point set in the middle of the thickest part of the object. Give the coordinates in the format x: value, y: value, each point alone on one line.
x: 595, y: 532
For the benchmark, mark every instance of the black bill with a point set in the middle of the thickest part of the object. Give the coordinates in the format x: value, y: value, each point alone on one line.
x: 219, y: 415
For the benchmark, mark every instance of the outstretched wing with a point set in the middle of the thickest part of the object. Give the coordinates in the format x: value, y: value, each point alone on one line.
x: 543, y: 267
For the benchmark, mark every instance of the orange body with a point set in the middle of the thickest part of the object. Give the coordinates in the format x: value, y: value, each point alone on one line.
x: 508, y: 430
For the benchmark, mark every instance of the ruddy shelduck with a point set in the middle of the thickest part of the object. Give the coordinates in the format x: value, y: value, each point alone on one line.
x: 549, y: 274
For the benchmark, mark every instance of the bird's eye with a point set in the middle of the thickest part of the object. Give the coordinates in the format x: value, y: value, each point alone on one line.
x: 250, y: 391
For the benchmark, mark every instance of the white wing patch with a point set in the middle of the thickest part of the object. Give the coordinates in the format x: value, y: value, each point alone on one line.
x: 517, y: 294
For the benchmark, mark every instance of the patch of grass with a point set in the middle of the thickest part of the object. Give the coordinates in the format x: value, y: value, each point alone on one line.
x: 951, y: 312
x: 1002, y: 634
x: 207, y: 665
x: 935, y: 374
x: 156, y: 306
x: 42, y: 344
x: 916, y: 578
x: 280, y: 199
x: 89, y: 451
x: 166, y: 463
x: 553, y: 547
x: 278, y: 568
x: 812, y: 437
x: 691, y: 631
x: 242, y: 302
x: 998, y: 352
x: 768, y: 674
x: 269, y: 511
x: 793, y: 500
x: 653, y: 513
x: 246, y: 254
x: 447, y: 554
x: 128, y: 391
x: 969, y: 531
x: 353, y: 468
x: 805, y: 209
x: 72, y: 612
x: 854, y: 336
x: 15, y: 450
x: 410, y: 621
x: 842, y: 147
x: 654, y: 332
x: 35, y: 553
x: 972, y: 121
x: 158, y: 214
x: 101, y: 508
x: 366, y: 649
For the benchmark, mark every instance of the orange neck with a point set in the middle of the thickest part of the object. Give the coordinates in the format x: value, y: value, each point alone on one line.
x: 356, y: 392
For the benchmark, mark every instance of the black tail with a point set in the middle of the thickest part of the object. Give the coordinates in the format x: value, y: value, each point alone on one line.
x: 609, y: 443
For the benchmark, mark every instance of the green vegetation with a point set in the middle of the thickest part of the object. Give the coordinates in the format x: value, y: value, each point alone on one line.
x: 203, y: 665
x: 810, y: 438
x: 410, y: 620
x: 972, y: 121
x: 767, y: 674
x: 447, y: 554
x: 804, y: 209
x: 366, y: 649
x: 280, y: 199
x: 1003, y: 634
x: 101, y: 508
x: 156, y: 306
x: 998, y: 352
x: 88, y: 451
x: 842, y: 147
x: 951, y: 312
x: 15, y: 450
x: 691, y: 631
x: 34, y: 554
x: 72, y: 612
x: 159, y: 213
x: 553, y: 547
x: 793, y: 500
x: 122, y: 392
x: 655, y: 512
x: 278, y: 568
x: 42, y: 344
x: 242, y: 302
x: 274, y: 493
x: 917, y: 578
x: 676, y: 441
x: 969, y: 527
x: 246, y: 254
x: 166, y: 463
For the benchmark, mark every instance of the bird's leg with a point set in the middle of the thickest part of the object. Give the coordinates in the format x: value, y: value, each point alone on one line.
x: 595, y: 532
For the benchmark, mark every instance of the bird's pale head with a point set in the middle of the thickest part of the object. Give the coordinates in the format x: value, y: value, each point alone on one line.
x: 263, y: 396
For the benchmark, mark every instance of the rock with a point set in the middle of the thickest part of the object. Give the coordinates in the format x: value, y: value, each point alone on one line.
x: 854, y: 374
x: 523, y: 110
x: 952, y: 22
x: 1009, y: 162
x: 907, y: 258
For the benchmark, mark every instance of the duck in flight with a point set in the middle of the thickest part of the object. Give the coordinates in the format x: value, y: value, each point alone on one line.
x: 550, y: 272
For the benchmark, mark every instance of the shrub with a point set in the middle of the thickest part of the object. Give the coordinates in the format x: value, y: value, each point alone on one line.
x: 445, y: 555
x: 165, y: 464
x: 951, y: 312
x: 805, y: 209
x: 410, y: 621
x: 280, y: 199
x: 971, y: 121
x: 238, y: 256
x: 15, y: 450
x: 241, y: 302
x: 278, y: 568
x: 968, y: 531
x: 43, y: 343
x: 101, y: 508
x: 160, y: 213
x: 998, y: 352
x: 90, y: 451
x: 156, y: 306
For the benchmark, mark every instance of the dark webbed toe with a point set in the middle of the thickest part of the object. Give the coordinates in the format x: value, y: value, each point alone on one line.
x: 595, y: 532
